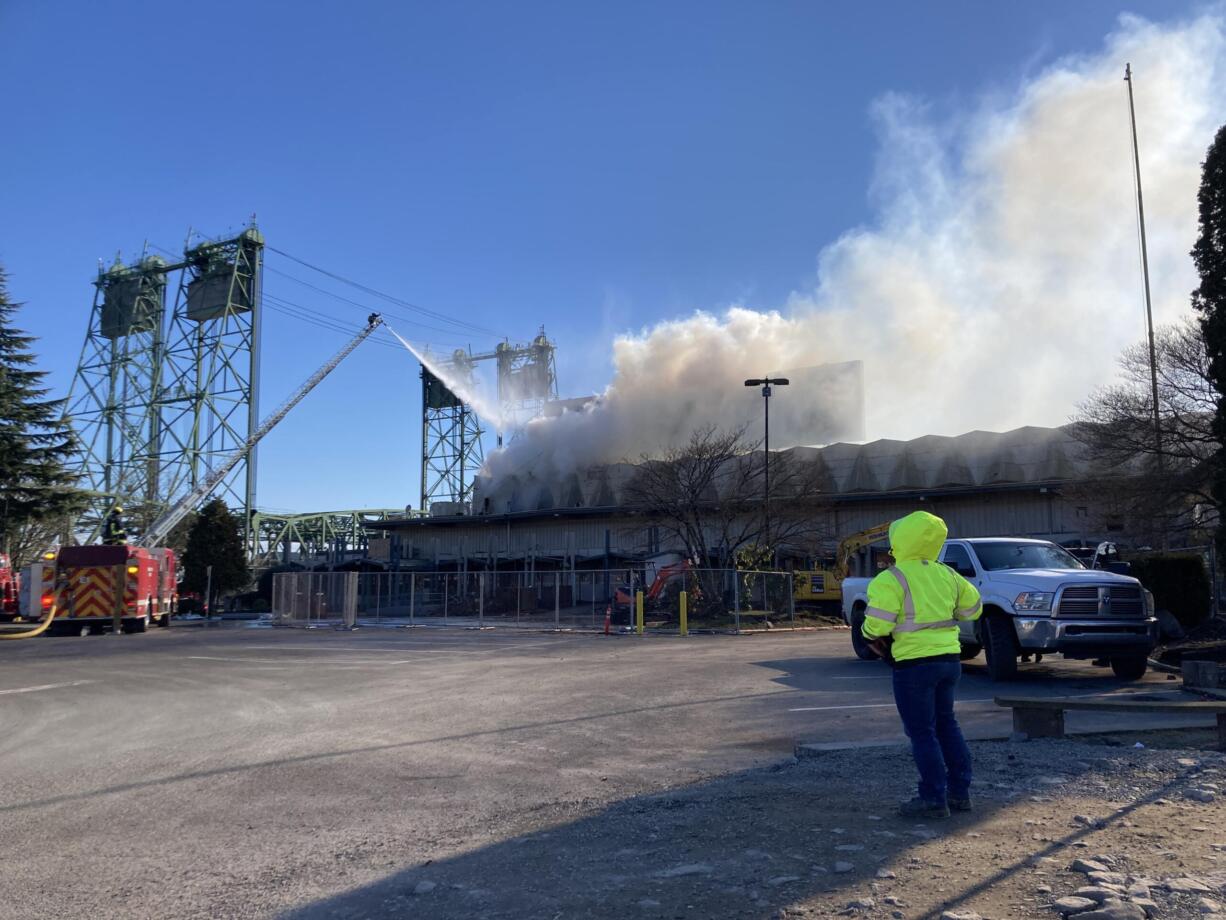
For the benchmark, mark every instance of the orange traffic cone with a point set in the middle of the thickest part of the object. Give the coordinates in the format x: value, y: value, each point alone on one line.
x: 608, y: 618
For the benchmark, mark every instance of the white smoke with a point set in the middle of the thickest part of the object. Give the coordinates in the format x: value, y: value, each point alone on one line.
x: 995, y: 289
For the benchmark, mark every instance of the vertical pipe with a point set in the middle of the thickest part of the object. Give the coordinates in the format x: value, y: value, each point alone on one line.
x: 791, y: 601
x: 766, y: 468
x: 1213, y: 580
x: 607, y: 549
x: 425, y: 435
x: 685, y: 621
x: 253, y: 388
x: 638, y: 612
x: 112, y: 403
x: 153, y: 484
x: 736, y: 601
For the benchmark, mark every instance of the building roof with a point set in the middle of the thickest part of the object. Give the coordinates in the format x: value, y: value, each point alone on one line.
x: 975, y: 460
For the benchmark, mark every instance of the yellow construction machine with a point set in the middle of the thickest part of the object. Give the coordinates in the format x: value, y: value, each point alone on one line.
x: 821, y: 587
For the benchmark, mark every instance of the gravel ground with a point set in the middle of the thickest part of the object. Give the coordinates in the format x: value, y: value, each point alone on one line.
x: 229, y: 773
x: 817, y: 838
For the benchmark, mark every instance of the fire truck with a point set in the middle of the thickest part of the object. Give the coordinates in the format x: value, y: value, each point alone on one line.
x: 93, y: 587
x: 10, y: 586
x: 87, y: 588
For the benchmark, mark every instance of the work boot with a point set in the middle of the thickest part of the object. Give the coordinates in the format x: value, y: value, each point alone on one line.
x: 959, y: 804
x: 918, y: 808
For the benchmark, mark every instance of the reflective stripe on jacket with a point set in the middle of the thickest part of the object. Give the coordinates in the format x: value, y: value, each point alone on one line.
x: 917, y: 600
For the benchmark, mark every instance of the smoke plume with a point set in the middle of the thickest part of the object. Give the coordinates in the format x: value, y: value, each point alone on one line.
x: 995, y: 288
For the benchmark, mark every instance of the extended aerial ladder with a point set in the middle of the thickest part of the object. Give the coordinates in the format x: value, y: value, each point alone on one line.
x: 161, y: 528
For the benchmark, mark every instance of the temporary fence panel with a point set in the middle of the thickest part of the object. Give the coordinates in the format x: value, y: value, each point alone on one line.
x: 588, y: 599
x: 315, y: 598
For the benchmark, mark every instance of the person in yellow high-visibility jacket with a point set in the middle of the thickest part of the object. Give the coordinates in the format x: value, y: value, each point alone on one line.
x: 914, y: 608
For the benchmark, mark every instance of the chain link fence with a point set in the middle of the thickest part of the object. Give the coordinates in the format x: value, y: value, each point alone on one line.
x: 672, y: 599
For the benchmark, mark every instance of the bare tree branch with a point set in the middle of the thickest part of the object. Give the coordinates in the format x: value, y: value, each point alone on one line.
x: 1151, y: 494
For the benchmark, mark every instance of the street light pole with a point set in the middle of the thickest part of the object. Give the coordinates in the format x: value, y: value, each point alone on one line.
x: 766, y: 383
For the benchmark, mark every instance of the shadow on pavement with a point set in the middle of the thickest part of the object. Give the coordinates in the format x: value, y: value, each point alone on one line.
x: 827, y: 675
x: 747, y: 845
x: 744, y: 845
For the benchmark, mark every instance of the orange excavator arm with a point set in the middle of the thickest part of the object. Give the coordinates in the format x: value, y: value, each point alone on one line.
x: 666, y: 574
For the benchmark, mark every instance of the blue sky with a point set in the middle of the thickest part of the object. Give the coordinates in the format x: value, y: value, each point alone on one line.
x: 591, y: 167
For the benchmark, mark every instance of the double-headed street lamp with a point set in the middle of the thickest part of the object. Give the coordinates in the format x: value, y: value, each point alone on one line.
x: 766, y: 383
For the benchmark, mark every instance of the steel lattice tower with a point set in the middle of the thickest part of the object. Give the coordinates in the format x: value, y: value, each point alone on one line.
x: 452, y: 453
x: 527, y: 379
x: 157, y: 401
x: 451, y: 448
x: 113, y: 401
x: 209, y: 403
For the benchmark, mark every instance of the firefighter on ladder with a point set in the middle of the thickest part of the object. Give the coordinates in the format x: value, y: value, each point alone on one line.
x: 113, y: 531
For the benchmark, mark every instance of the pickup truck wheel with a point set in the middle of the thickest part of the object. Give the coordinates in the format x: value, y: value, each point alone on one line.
x: 968, y: 651
x: 1000, y: 643
x: 858, y: 643
x: 1130, y: 668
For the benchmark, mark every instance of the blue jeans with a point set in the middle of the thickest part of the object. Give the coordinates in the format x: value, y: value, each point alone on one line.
x: 924, y: 694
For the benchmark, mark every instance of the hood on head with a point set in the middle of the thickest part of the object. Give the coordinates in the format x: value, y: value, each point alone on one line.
x: 919, y: 535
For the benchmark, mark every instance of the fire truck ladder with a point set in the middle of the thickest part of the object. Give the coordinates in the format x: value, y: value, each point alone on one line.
x: 162, y: 527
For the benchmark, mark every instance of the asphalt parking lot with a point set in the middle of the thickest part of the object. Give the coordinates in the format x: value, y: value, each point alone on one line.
x: 243, y: 772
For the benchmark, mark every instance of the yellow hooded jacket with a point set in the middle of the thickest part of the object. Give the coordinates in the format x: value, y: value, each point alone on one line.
x: 917, y: 599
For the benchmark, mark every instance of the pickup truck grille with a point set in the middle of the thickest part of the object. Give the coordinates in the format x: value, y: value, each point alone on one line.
x: 1101, y: 601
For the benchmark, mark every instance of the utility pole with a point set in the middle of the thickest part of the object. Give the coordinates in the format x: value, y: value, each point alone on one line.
x: 765, y: 383
x: 1149, y: 311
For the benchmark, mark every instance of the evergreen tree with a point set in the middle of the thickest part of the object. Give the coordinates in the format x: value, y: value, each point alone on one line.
x: 215, y: 539
x: 1209, y: 298
x: 38, y: 495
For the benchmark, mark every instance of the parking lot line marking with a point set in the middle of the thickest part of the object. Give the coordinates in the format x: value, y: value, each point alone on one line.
x: 71, y: 683
x: 311, y: 661
x: 419, y: 649
x: 865, y: 677
x: 870, y: 706
x: 325, y: 648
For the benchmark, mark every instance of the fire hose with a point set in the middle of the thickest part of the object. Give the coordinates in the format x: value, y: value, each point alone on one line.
x: 31, y: 633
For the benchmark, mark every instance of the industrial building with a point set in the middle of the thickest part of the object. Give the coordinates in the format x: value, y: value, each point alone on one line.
x: 1028, y: 482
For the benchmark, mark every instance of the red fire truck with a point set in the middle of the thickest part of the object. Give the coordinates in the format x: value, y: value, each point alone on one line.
x: 92, y: 586
x: 9, y: 589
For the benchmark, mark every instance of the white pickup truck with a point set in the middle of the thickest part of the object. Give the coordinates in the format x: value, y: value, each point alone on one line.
x: 1037, y: 599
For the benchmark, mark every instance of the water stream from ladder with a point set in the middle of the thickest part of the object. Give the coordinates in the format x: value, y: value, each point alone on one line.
x: 470, y: 391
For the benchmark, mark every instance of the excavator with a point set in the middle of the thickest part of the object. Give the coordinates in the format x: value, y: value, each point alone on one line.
x: 654, y: 595
x: 821, y: 587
